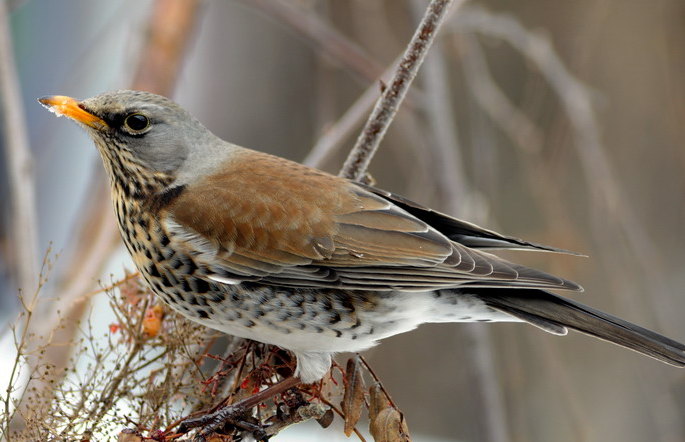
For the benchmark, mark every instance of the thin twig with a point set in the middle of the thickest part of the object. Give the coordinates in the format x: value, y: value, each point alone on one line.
x: 338, y: 132
x: 378, y: 380
x: 357, y: 162
x: 24, y: 237
x: 21, y: 344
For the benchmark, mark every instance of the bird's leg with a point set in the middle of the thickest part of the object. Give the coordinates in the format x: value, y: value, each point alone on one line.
x: 234, y: 414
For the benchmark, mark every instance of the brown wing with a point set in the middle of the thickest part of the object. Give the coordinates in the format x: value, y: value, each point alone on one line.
x: 264, y: 218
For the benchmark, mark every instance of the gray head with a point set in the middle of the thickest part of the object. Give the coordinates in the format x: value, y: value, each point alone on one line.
x: 141, y: 133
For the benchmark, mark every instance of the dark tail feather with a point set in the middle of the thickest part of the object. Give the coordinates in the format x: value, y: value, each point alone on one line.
x: 553, y: 314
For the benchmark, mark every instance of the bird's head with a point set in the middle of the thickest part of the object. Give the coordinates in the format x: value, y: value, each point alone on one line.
x: 141, y: 135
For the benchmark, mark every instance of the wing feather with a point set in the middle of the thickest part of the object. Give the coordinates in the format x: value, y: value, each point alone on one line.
x: 279, y: 222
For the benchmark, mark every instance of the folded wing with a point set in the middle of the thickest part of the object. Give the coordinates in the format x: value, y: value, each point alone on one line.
x: 278, y: 222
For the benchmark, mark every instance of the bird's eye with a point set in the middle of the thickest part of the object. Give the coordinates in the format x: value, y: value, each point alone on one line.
x: 137, y: 122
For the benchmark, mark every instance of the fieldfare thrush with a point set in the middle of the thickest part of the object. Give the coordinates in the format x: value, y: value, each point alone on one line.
x: 268, y: 249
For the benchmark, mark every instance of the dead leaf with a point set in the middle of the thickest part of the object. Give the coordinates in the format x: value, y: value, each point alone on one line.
x: 353, y: 399
x: 386, y: 423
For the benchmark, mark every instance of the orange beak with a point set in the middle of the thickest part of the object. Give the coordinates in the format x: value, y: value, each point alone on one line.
x: 73, y: 109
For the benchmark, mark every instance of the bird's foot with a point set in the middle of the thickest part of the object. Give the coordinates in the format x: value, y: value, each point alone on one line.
x: 233, y: 415
x: 237, y: 415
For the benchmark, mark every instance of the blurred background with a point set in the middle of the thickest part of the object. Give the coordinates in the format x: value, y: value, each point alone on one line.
x: 558, y: 122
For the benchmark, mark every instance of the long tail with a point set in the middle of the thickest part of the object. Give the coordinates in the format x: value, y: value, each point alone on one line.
x: 555, y: 314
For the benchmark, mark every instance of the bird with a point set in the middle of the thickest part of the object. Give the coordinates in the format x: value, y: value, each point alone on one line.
x: 268, y: 249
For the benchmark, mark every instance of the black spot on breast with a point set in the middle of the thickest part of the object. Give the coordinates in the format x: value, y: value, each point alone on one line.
x: 335, y: 318
x: 347, y: 304
x: 176, y: 264
x: 249, y: 324
x: 201, y: 286
x: 164, y: 240
x: 203, y: 314
x: 153, y: 271
x: 166, y: 281
x: 338, y: 333
x: 148, y: 254
x: 217, y: 297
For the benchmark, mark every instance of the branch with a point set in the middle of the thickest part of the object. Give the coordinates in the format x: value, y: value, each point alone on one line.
x: 338, y: 132
x: 386, y: 107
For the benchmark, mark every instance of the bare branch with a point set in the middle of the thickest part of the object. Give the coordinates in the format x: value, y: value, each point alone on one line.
x: 338, y: 132
x: 386, y: 107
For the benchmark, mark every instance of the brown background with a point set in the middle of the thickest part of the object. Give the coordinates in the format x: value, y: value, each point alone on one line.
x: 610, y: 185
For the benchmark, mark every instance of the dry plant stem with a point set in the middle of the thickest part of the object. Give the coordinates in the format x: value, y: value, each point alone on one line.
x: 111, y: 391
x: 378, y: 381
x: 21, y: 345
x: 24, y: 236
x: 357, y: 162
x: 325, y: 37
